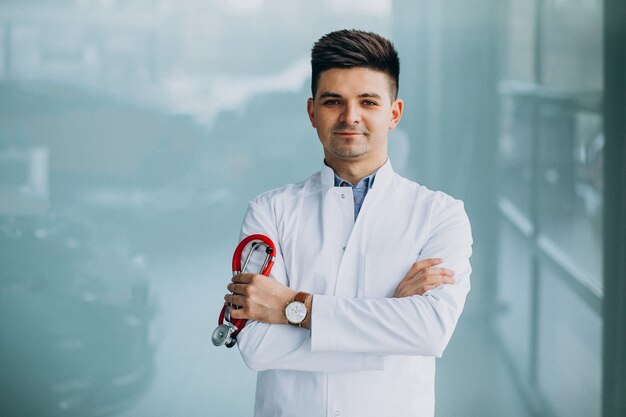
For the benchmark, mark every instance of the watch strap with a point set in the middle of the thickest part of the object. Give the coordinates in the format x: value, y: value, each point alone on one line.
x: 301, y: 296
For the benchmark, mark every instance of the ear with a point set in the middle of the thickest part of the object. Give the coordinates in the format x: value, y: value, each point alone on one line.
x: 396, y: 113
x: 309, y: 110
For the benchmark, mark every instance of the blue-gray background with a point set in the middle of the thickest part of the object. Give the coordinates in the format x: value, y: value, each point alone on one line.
x: 133, y: 133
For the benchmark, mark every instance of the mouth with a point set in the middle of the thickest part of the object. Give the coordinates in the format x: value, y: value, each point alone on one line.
x: 347, y: 133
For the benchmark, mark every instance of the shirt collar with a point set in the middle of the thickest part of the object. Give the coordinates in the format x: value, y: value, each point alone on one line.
x: 366, y: 182
x: 383, y: 175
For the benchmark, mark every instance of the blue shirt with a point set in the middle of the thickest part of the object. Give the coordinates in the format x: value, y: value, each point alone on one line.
x: 359, y: 191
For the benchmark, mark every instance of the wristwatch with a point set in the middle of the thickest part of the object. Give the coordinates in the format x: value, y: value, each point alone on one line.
x: 296, y: 310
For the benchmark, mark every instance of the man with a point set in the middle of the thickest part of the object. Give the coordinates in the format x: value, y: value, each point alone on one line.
x: 350, y: 324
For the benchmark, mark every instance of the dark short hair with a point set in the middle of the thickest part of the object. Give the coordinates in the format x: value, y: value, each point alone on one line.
x: 355, y: 48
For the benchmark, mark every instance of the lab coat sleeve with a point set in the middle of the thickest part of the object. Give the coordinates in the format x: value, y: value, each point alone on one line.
x: 416, y: 325
x: 280, y: 346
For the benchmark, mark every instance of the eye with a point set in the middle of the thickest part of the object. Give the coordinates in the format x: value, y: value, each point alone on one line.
x: 331, y: 102
x: 369, y: 103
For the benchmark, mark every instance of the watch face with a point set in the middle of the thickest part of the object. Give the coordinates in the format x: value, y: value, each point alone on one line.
x: 295, y: 312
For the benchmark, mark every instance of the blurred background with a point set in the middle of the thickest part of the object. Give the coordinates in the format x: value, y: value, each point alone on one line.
x: 133, y: 133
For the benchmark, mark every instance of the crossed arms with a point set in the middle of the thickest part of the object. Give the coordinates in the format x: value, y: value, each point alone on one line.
x: 349, y: 334
x: 258, y: 298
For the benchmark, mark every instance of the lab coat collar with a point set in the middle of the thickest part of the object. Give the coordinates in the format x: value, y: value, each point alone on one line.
x: 383, y: 175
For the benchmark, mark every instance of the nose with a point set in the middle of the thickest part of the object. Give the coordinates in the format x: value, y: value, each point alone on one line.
x: 351, y: 114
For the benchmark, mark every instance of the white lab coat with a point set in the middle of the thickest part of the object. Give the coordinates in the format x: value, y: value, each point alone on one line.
x: 367, y: 354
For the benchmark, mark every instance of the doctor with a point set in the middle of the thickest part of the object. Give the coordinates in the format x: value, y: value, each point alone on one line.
x: 372, y: 269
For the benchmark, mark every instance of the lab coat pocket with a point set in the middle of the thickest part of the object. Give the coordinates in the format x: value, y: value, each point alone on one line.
x: 383, y: 273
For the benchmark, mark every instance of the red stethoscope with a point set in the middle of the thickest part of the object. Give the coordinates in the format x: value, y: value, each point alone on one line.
x: 227, y: 329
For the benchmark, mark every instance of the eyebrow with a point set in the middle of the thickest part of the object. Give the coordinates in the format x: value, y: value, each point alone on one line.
x: 337, y: 95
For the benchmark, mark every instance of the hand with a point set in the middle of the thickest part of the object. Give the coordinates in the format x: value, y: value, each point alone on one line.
x: 257, y: 297
x: 421, y: 277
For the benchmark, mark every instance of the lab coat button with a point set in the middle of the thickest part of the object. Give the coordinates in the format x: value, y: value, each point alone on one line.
x: 337, y: 413
x: 344, y: 248
x: 343, y: 196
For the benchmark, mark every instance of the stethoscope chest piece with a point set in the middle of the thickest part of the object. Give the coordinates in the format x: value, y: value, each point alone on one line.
x: 222, y: 335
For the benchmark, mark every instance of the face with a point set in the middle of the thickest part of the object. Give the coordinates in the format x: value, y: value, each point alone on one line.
x: 353, y: 111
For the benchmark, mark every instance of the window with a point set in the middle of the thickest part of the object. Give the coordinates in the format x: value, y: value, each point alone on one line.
x: 550, y: 203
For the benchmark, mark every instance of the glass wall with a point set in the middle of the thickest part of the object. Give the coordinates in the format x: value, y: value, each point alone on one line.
x: 550, y: 203
x: 133, y: 133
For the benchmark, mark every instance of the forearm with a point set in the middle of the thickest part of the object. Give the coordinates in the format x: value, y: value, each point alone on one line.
x: 281, y: 346
x: 417, y: 325
x: 268, y: 341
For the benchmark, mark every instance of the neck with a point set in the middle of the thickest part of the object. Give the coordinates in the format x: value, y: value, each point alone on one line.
x: 352, y: 171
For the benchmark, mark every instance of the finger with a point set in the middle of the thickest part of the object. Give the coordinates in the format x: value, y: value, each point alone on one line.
x: 237, y: 288
x: 399, y: 291
x: 427, y: 263
x: 242, y: 278
x: 426, y: 288
x: 448, y: 280
x: 235, y: 300
x: 439, y: 279
x: 436, y: 272
x: 441, y: 271
x: 425, y: 275
x: 238, y: 314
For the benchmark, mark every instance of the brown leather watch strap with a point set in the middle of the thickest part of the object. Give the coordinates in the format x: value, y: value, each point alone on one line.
x: 301, y: 296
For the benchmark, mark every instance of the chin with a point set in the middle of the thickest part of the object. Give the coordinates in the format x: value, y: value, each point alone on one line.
x: 349, y: 156
x: 349, y: 152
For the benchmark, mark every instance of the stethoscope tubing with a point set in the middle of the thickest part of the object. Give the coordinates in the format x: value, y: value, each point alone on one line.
x: 237, y: 268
